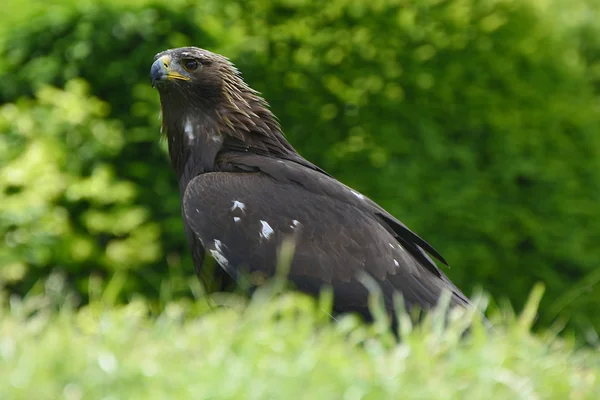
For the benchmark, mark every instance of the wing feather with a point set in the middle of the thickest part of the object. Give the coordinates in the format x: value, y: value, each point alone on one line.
x: 242, y: 219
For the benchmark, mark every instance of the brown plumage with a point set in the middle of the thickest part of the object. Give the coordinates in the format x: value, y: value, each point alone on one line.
x: 245, y: 189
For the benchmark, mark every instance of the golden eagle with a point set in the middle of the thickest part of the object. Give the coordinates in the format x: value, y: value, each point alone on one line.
x: 245, y: 189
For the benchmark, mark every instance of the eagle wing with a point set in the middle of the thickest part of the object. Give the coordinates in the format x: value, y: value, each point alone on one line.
x: 241, y: 219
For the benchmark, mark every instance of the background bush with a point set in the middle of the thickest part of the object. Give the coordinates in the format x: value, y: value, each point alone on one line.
x: 475, y: 122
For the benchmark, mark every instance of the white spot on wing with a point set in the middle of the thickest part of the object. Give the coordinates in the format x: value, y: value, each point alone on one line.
x: 236, y: 219
x: 266, y: 231
x: 396, y: 263
x: 391, y: 245
x: 238, y: 204
x: 295, y: 224
x: 218, y: 255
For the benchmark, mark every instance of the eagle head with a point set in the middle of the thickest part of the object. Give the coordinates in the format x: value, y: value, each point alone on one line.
x: 207, y: 109
x: 194, y: 75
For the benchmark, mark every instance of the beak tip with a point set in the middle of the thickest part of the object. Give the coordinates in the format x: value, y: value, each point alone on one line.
x: 158, y: 71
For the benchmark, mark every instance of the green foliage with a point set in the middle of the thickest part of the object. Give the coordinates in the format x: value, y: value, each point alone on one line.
x: 475, y: 122
x: 63, y: 203
x: 56, y: 47
x: 273, y: 349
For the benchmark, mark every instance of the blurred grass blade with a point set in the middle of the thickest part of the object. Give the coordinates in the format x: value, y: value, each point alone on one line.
x: 529, y: 313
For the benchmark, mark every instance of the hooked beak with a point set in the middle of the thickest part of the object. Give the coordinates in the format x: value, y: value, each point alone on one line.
x: 161, y: 71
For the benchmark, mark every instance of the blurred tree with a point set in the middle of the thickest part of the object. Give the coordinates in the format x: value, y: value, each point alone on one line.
x: 475, y: 122
x: 62, y: 203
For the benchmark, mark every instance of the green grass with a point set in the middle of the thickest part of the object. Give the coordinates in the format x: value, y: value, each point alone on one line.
x: 275, y: 348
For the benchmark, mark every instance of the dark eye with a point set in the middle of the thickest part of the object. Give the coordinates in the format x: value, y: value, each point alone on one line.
x: 190, y: 64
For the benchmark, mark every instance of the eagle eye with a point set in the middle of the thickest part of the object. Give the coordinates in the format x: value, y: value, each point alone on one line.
x: 190, y: 64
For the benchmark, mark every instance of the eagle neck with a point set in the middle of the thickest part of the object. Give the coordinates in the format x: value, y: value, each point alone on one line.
x: 239, y: 121
x: 194, y: 141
